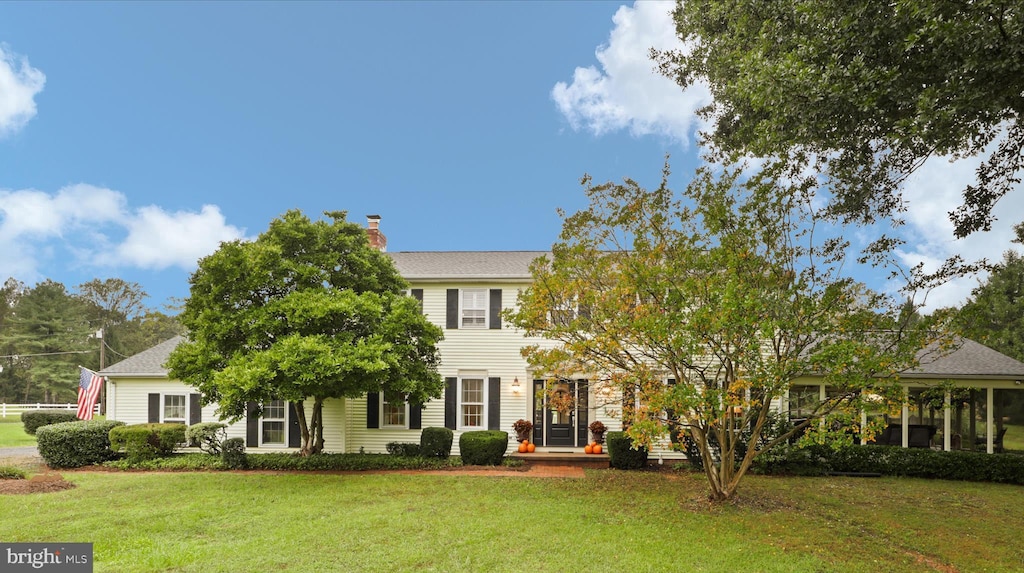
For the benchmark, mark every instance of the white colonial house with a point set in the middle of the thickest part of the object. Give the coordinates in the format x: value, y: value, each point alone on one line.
x: 488, y: 384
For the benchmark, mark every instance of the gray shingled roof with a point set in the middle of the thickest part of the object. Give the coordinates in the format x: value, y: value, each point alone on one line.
x: 462, y: 265
x: 146, y: 363
x: 968, y: 360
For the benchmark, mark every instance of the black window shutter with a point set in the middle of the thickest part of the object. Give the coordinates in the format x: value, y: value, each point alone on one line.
x: 294, y: 430
x: 415, y: 416
x: 195, y: 409
x: 450, y: 403
x: 373, y: 409
x: 452, y: 315
x: 495, y: 309
x: 154, y: 408
x: 252, y: 426
x: 417, y: 293
x: 494, y: 403
x: 582, y: 413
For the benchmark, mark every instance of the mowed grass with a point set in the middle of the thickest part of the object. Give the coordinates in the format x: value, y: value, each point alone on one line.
x: 12, y: 433
x: 609, y: 521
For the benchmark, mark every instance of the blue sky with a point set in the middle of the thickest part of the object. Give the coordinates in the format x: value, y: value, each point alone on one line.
x: 136, y: 136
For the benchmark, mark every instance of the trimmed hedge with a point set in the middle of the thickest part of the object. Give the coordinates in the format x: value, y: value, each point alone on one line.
x: 76, y: 444
x: 38, y: 418
x: 286, y: 462
x: 147, y: 441
x: 621, y: 454
x: 436, y: 442
x: 405, y: 449
x: 483, y: 448
x: 233, y: 454
x: 895, y: 461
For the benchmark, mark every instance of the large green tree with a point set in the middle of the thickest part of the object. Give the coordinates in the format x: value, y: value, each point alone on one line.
x: 730, y: 289
x: 306, y: 311
x: 49, y: 332
x: 994, y: 314
x: 863, y: 90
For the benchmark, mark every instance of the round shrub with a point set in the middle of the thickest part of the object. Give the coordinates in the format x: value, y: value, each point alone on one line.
x: 485, y: 448
x: 146, y: 441
x: 76, y: 444
x: 233, y: 454
x: 622, y: 455
x: 38, y: 418
x: 436, y: 442
x: 207, y: 436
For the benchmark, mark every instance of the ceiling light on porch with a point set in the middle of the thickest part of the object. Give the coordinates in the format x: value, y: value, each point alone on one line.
x: 515, y: 386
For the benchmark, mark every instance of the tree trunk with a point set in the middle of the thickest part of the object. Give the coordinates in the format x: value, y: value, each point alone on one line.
x: 300, y: 412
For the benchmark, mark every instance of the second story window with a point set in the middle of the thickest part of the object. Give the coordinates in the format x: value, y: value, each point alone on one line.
x: 474, y: 308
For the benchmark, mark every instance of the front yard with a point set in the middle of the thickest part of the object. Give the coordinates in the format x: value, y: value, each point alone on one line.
x: 608, y: 521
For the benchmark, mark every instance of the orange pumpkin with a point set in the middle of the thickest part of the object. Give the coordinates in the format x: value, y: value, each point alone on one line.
x: 597, y: 448
x: 531, y: 448
x: 522, y: 447
x: 588, y: 449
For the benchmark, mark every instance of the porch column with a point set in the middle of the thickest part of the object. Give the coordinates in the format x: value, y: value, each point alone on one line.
x: 822, y: 396
x: 863, y: 424
x: 906, y: 418
x: 947, y: 424
x: 989, y: 416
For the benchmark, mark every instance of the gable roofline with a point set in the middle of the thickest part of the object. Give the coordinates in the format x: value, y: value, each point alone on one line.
x: 146, y: 364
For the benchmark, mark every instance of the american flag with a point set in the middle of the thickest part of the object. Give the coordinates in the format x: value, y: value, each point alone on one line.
x: 89, y: 384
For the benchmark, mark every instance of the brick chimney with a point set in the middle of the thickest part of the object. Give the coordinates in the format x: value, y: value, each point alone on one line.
x: 377, y: 239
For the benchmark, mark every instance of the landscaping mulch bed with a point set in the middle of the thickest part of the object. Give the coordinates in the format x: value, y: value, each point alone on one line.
x: 39, y: 483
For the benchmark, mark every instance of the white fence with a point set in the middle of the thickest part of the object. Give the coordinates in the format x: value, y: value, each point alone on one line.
x: 17, y: 409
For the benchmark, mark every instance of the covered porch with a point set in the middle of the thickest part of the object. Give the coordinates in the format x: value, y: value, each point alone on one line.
x: 970, y: 398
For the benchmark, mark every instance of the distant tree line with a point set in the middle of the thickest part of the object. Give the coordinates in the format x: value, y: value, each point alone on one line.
x: 47, y: 331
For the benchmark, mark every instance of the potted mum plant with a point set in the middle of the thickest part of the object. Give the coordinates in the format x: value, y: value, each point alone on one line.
x: 523, y: 429
x: 597, y: 429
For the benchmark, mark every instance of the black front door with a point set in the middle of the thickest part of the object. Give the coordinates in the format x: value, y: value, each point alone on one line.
x: 561, y: 413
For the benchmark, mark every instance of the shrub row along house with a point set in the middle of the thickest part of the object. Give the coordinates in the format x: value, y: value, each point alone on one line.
x: 488, y: 384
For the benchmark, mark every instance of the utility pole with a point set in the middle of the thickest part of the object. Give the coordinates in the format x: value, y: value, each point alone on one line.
x: 103, y: 355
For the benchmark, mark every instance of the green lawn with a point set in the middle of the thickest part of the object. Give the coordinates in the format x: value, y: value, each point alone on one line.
x: 609, y: 521
x: 12, y: 433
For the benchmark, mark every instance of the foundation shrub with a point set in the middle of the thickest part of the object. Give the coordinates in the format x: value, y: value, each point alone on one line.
x: 484, y: 448
x: 621, y: 454
x: 436, y: 442
x: 76, y: 444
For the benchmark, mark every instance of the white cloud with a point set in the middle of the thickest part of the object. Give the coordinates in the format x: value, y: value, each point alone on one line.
x: 158, y: 239
x: 931, y: 193
x: 19, y: 84
x: 627, y: 92
x: 90, y: 225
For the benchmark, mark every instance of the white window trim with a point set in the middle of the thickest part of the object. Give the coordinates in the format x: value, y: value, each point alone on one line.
x: 383, y: 423
x: 463, y: 309
x: 163, y: 409
x: 459, y: 403
x: 284, y: 443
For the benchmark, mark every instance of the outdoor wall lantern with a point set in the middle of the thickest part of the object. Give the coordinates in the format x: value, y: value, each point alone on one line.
x: 515, y: 386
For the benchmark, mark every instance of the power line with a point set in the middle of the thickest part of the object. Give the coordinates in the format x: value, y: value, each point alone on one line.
x: 114, y: 351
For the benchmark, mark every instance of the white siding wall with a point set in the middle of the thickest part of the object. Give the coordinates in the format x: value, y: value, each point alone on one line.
x: 129, y: 403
